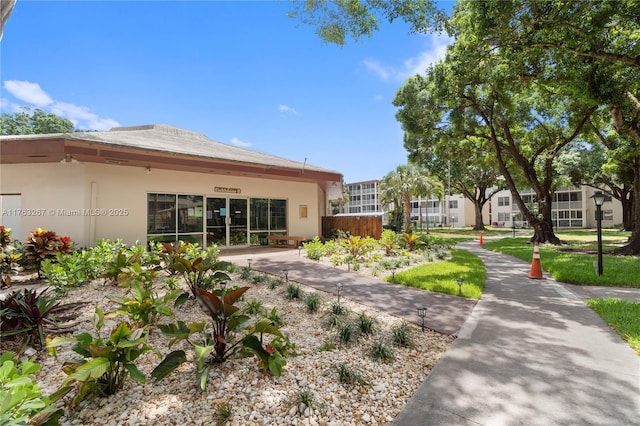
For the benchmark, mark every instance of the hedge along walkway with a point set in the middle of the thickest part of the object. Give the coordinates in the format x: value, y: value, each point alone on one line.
x: 445, y: 313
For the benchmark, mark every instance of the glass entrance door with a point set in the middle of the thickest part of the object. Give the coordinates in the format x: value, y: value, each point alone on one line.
x: 227, y: 221
x: 217, y: 221
x: 238, y: 221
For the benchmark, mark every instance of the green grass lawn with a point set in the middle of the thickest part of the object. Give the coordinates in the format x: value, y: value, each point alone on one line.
x: 622, y: 315
x: 570, y: 263
x: 442, y: 276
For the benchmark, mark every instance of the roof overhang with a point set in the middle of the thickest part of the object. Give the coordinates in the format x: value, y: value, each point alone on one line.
x: 52, y: 149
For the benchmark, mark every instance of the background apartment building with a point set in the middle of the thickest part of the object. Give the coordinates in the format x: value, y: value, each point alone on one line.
x: 453, y: 210
x: 570, y: 208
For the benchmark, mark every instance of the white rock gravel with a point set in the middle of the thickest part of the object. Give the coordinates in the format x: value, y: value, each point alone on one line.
x: 255, y: 397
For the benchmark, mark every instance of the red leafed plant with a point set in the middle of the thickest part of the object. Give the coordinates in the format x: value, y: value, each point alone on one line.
x: 44, y: 244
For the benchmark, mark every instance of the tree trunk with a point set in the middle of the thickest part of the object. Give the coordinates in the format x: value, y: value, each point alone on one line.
x: 633, y: 246
x: 479, y: 223
x: 627, y: 212
x: 406, y: 208
x: 543, y: 233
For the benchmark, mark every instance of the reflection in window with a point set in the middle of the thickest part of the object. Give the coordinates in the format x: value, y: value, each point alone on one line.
x: 278, y: 210
x: 190, y: 213
x: 161, y: 213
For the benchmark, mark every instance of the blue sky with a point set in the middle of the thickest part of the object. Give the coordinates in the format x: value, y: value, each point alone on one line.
x: 240, y: 72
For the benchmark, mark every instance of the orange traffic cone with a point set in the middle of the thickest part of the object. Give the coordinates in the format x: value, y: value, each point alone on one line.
x: 536, y: 267
x: 481, y: 238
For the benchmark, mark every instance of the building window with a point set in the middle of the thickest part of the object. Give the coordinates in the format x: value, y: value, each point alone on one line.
x: 453, y: 204
x: 503, y: 201
x: 504, y: 217
x: 607, y: 214
x: 173, y: 217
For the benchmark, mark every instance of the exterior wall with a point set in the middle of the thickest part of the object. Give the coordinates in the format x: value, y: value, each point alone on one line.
x: 119, y: 193
x: 571, y: 208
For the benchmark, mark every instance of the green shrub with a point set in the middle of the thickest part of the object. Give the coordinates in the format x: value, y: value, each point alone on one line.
x: 338, y: 309
x: 312, y: 301
x: 351, y: 375
x: 8, y: 257
x: 43, y: 244
x: 223, y: 413
x: 366, y: 323
x: 346, y: 333
x: 230, y: 333
x: 293, y: 291
x: 254, y: 307
x: 389, y: 239
x: 315, y: 249
x: 20, y: 394
x: 379, y: 351
x: 402, y: 334
x: 105, y: 363
x: 327, y: 345
x: 28, y: 312
x: 275, y: 318
x: 275, y: 282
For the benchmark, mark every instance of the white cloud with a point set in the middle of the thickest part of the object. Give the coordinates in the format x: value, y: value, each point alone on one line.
x: 28, y: 92
x: 415, y: 65
x: 377, y: 68
x: 287, y: 109
x: 237, y: 142
x: 31, y: 93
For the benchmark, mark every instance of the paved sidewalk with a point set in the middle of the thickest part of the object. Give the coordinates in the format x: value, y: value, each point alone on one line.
x: 445, y: 313
x: 531, y: 353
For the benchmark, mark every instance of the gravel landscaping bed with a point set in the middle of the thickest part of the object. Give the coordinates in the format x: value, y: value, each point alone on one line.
x: 257, y: 398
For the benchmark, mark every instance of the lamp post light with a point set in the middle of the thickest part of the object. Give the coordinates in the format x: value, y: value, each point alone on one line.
x: 249, y: 263
x: 459, y: 281
x: 223, y: 284
x: 339, y: 288
x: 286, y: 275
x: 422, y: 312
x: 513, y: 224
x: 598, y: 199
x: 393, y: 274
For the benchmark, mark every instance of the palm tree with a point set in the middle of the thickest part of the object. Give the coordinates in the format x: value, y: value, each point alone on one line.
x: 398, y: 187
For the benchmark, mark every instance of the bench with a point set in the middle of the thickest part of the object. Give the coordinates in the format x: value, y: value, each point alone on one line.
x: 285, y: 240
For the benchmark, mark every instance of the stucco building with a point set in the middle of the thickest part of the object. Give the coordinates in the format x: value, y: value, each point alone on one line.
x: 157, y: 182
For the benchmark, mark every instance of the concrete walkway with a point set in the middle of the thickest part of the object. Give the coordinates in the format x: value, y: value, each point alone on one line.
x: 531, y: 353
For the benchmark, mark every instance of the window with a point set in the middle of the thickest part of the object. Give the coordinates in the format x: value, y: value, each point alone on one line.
x: 504, y: 217
x: 607, y: 214
x: 503, y: 201
x: 453, y: 204
x: 172, y: 217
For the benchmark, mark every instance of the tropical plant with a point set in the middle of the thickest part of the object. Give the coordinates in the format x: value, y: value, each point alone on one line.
x: 117, y: 268
x: 71, y: 270
x: 253, y: 307
x: 275, y: 318
x: 398, y: 187
x: 315, y: 248
x: 43, y: 244
x: 389, y: 239
x: 22, y: 399
x: 105, y: 363
x: 143, y: 304
x: 231, y: 332
x: 410, y: 240
x: 358, y: 247
x: 195, y: 271
x: 29, y: 312
x: 8, y: 259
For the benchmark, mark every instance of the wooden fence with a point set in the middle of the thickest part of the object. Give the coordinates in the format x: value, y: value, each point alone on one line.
x: 365, y: 226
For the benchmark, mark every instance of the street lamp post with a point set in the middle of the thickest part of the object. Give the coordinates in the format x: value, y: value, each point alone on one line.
x: 513, y: 224
x: 598, y: 199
